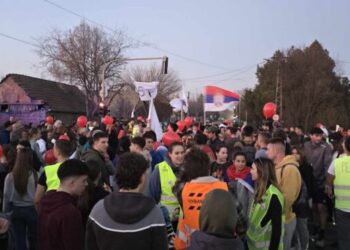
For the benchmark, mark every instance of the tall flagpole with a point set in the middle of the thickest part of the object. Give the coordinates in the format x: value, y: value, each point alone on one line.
x: 204, y: 114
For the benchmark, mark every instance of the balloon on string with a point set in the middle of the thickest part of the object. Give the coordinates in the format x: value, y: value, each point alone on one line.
x: 188, y: 121
x: 170, y: 137
x: 269, y: 110
x: 107, y: 120
x: 169, y: 128
x: 82, y: 121
x: 49, y: 120
x: 181, y: 125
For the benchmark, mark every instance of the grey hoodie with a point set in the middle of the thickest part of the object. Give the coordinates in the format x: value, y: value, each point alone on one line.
x: 319, y: 156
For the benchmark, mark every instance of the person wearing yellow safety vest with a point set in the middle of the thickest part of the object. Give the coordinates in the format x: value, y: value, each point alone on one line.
x: 163, y: 179
x: 194, y: 184
x: 266, y: 216
x: 48, y: 180
x: 339, y: 177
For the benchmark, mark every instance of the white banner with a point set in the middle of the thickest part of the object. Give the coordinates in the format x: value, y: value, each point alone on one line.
x: 146, y: 90
x: 154, y: 123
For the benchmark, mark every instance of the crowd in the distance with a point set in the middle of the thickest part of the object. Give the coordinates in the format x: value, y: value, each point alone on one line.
x: 219, y: 186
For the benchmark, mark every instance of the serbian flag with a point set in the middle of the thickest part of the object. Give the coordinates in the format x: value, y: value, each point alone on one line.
x: 217, y: 99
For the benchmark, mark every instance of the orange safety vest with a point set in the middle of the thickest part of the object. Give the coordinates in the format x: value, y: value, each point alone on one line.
x: 193, y: 195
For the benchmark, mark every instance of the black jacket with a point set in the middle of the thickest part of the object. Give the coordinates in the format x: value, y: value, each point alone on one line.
x: 126, y: 221
x: 94, y: 159
x: 204, y: 241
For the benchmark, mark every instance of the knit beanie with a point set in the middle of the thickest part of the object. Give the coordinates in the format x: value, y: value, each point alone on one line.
x: 218, y: 214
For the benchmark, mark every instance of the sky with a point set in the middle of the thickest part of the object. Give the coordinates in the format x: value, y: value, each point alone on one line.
x: 227, y: 39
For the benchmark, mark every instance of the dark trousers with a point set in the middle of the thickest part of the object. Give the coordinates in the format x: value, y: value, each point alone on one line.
x: 24, y: 222
x: 342, y: 220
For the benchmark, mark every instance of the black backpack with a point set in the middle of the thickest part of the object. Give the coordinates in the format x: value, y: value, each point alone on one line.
x: 303, y: 194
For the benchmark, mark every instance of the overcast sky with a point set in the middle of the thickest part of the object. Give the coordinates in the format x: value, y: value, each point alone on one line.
x: 201, y: 38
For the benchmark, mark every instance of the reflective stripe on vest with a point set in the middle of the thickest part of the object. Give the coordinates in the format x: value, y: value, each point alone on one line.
x: 342, y: 182
x: 193, y: 195
x: 259, y: 237
x: 52, y: 180
x: 167, y: 181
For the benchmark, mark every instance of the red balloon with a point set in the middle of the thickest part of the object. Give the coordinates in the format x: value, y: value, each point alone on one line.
x: 188, y: 121
x: 269, y: 110
x: 49, y: 120
x: 170, y: 137
x: 82, y: 121
x: 50, y: 157
x: 181, y: 125
x: 107, y: 120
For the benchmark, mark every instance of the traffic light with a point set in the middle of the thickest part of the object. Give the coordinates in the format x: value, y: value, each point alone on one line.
x: 165, y: 65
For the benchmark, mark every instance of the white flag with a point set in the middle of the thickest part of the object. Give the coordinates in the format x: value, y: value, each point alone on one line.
x: 154, y: 121
x: 146, y: 90
x: 184, y: 98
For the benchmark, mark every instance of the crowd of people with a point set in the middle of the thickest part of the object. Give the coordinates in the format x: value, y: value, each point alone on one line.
x: 218, y: 186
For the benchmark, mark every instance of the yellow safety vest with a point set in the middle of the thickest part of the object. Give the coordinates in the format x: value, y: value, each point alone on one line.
x: 52, y: 180
x: 167, y: 181
x: 342, y: 182
x: 259, y: 237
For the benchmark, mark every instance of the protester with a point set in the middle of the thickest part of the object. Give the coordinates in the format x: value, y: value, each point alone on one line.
x: 192, y: 187
x: 266, y: 217
x: 213, y: 136
x: 49, y: 180
x: 60, y: 224
x: 261, y: 145
x: 201, y: 142
x: 219, y: 167
x: 339, y: 179
x: 301, y: 207
x: 289, y: 181
x: 248, y: 142
x: 230, y: 140
x: 19, y: 193
x: 126, y: 219
x: 217, y: 223
x: 319, y: 155
x: 98, y: 155
x: 163, y: 179
x: 240, y: 180
x: 5, y: 133
x: 150, y: 138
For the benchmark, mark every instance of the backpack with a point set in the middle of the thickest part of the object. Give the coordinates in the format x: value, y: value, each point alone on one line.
x: 303, y: 194
x: 249, y: 150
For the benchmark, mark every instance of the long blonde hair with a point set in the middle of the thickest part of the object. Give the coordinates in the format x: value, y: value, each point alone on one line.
x: 266, y: 176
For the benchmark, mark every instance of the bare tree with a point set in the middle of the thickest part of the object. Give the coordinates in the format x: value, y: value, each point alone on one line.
x: 80, y: 55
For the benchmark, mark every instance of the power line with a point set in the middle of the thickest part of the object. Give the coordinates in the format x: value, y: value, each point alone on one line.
x: 19, y: 40
x: 150, y: 45
x: 238, y: 71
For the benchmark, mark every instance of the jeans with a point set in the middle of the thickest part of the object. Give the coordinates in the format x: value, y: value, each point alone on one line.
x: 302, y: 233
x: 288, y: 234
x: 342, y: 220
x: 24, y: 222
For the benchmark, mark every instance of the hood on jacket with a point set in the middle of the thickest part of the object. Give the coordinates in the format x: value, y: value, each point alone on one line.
x: 218, y: 214
x: 54, y: 200
x: 128, y: 208
x: 204, y: 241
x: 289, y: 159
